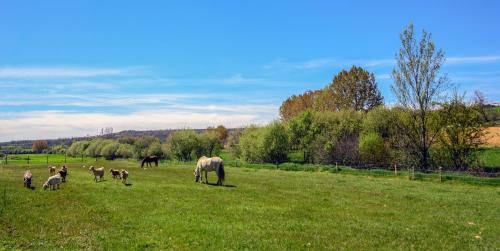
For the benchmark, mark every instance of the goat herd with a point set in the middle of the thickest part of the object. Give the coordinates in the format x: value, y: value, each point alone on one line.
x: 57, y: 178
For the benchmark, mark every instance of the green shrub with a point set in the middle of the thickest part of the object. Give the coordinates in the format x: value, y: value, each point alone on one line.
x: 276, y: 143
x: 372, y: 148
x: 251, y: 143
x: 141, y: 145
x: 184, y: 145
x: 109, y: 151
x: 125, y: 151
x: 155, y: 149
x: 265, y: 144
x: 210, y: 143
x: 95, y: 147
x: 78, y: 148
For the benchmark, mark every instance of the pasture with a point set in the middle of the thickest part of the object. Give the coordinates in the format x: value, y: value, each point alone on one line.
x: 490, y: 157
x: 163, y: 208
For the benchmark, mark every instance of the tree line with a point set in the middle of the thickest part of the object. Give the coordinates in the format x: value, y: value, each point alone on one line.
x: 346, y: 122
x: 184, y: 145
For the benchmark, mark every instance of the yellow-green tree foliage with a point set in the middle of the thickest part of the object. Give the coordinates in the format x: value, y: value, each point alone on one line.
x: 355, y: 89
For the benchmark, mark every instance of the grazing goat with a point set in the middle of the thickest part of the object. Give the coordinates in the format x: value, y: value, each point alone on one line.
x: 97, y: 172
x: 27, y: 179
x: 63, y: 172
x: 115, y: 174
x: 124, y: 176
x: 52, y: 182
x: 52, y: 170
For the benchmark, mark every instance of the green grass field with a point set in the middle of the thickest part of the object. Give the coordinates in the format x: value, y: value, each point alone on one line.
x: 257, y: 209
x: 490, y: 157
x: 22, y: 159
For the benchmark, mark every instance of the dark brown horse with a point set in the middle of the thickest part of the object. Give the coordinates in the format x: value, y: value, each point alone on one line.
x: 148, y: 160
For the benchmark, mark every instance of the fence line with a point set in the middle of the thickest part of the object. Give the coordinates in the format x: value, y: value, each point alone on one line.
x: 29, y: 159
x: 397, y: 168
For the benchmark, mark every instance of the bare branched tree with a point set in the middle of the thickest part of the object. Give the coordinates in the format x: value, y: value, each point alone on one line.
x: 418, y: 86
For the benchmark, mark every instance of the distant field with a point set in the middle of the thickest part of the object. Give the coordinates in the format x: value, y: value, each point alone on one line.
x: 258, y: 209
x: 492, y: 136
x: 490, y: 157
x: 21, y: 159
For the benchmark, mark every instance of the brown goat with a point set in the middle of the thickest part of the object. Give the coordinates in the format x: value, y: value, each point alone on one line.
x: 115, y: 173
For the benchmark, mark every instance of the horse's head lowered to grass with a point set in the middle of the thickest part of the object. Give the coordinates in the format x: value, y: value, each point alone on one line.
x: 206, y: 165
x: 148, y: 160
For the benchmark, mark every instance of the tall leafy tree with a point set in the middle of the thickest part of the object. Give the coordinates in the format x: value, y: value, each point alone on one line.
x: 417, y: 86
x: 354, y: 89
x: 299, y: 103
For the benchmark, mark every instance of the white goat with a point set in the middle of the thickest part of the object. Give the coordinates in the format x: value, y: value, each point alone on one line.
x: 27, y: 179
x: 52, y: 182
x: 97, y: 172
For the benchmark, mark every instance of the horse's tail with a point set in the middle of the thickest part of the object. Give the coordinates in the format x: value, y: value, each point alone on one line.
x: 220, y: 172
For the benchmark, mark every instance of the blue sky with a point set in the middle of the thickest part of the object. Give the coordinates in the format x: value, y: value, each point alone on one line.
x: 69, y: 68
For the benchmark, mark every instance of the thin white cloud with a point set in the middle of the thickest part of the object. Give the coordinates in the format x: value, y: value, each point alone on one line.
x: 112, y: 84
x: 472, y: 60
x: 57, y: 124
x: 59, y: 72
x: 325, y: 63
x: 95, y: 100
x: 269, y: 109
x: 318, y: 63
x: 233, y: 80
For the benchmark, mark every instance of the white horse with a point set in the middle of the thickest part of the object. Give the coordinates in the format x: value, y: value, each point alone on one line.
x: 208, y: 165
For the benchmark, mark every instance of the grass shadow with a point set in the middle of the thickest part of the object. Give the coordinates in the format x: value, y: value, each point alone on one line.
x: 128, y: 184
x: 215, y: 184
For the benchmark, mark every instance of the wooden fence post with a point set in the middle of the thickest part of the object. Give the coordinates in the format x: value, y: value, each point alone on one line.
x: 28, y: 159
x: 396, y: 169
x: 6, y: 162
x: 440, y: 174
x: 47, y: 155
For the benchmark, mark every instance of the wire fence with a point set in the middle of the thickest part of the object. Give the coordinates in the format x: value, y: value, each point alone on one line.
x: 13, y: 159
x: 398, y: 166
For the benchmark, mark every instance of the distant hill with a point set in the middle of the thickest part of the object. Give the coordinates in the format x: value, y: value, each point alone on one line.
x: 161, y: 134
